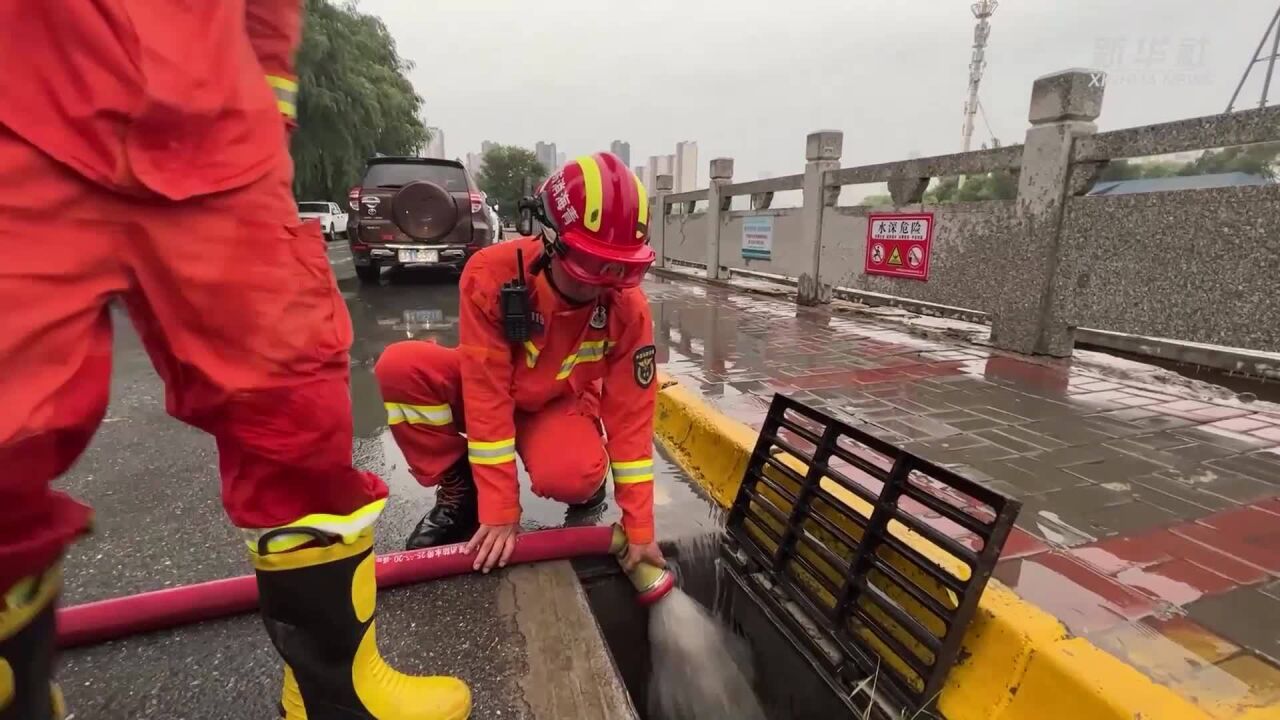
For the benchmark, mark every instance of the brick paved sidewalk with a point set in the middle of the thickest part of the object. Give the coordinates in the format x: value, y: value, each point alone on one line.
x: 1151, y: 509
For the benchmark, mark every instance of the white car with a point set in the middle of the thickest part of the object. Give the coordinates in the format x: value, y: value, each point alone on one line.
x: 495, y: 221
x: 333, y: 219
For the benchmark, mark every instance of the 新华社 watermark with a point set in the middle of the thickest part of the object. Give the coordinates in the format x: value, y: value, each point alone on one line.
x: 1152, y: 60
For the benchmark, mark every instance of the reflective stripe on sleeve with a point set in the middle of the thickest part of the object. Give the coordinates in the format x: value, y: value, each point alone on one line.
x: 348, y: 527
x: 632, y: 472
x: 286, y: 90
x: 497, y: 452
x: 588, y: 352
x: 531, y: 353
x: 418, y: 414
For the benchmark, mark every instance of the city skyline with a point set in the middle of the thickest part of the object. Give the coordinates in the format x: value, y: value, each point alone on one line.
x: 1167, y: 59
x: 682, y: 165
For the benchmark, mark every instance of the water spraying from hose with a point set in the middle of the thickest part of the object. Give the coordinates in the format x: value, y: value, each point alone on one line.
x: 700, y: 669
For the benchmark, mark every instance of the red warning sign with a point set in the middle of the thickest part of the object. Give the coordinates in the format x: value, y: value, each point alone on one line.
x: 898, y: 245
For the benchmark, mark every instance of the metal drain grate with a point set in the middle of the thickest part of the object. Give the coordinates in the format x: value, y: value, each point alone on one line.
x: 885, y: 591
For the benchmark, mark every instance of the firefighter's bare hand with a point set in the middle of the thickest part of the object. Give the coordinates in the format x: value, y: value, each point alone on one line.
x: 493, y: 545
x: 648, y: 552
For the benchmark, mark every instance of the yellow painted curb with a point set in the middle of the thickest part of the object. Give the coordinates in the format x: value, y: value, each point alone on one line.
x: 1018, y: 662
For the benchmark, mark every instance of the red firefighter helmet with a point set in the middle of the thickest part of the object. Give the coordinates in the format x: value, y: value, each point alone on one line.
x: 600, y: 211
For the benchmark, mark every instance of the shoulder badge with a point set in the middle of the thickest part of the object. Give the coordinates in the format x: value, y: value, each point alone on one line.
x: 599, y: 317
x: 643, y: 365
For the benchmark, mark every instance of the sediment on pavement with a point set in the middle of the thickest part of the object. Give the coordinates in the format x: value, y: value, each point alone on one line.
x: 570, y: 673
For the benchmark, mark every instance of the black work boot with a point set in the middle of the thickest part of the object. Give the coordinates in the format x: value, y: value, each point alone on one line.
x: 26, y: 649
x: 454, y: 518
x: 592, y: 502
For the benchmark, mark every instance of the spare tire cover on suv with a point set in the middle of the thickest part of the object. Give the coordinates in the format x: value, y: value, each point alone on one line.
x: 424, y: 210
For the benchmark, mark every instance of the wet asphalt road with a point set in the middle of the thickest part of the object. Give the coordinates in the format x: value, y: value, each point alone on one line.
x: 159, y: 523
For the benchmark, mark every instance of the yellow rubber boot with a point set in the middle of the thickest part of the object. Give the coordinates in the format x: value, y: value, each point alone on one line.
x: 26, y: 649
x: 318, y: 605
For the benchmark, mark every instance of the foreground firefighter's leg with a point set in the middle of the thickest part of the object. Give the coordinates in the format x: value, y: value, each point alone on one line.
x: 318, y: 606
x: 26, y: 649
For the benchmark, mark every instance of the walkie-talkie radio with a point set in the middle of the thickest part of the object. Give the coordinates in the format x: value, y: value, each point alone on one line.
x: 514, y: 298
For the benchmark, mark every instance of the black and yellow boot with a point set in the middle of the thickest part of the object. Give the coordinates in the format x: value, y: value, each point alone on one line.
x: 27, y: 634
x: 454, y: 518
x: 318, y: 605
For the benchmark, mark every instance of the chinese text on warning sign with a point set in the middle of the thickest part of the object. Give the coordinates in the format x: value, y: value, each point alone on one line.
x: 898, y: 245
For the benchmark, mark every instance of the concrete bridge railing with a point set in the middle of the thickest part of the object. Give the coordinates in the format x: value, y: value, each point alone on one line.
x: 1198, y: 266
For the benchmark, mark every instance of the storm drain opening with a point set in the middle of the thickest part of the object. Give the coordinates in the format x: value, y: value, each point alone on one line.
x: 870, y: 559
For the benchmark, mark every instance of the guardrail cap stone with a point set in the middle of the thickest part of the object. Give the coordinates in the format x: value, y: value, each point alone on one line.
x: 824, y: 145
x: 722, y: 169
x: 1074, y: 94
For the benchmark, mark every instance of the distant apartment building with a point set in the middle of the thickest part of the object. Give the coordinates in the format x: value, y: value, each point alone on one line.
x: 486, y: 146
x: 623, y: 150
x: 659, y: 165
x: 475, y: 163
x: 435, y: 146
x: 685, y: 167
x: 561, y: 159
x: 546, y: 154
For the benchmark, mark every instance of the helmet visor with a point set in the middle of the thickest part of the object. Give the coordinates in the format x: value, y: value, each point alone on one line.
x: 606, y: 272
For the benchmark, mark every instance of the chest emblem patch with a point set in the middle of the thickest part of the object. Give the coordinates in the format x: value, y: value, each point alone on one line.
x: 599, y: 318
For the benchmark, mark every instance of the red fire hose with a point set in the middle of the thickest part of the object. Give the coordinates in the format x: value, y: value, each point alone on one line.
x: 110, y: 619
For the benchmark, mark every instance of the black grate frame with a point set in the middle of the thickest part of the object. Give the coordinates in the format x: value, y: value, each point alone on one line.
x: 890, y: 604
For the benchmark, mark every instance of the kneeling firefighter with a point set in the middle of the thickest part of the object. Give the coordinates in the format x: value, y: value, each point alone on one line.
x: 556, y: 363
x: 148, y: 142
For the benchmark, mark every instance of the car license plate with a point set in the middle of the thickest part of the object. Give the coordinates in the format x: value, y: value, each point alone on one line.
x: 419, y: 255
x: 423, y: 316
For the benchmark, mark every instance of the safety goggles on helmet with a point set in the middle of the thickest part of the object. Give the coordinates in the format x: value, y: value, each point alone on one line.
x: 616, y: 271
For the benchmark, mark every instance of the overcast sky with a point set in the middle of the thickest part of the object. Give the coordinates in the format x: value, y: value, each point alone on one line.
x: 749, y: 79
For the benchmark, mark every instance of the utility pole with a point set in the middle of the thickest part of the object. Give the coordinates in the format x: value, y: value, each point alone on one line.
x: 982, y: 10
x: 1273, y: 32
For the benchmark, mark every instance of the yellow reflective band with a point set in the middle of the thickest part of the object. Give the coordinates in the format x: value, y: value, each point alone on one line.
x: 348, y: 527
x: 280, y: 82
x: 418, y: 414
x: 495, y: 452
x: 591, y: 214
x: 286, y: 90
x: 588, y: 352
x: 632, y: 472
x: 531, y: 353
x: 643, y: 217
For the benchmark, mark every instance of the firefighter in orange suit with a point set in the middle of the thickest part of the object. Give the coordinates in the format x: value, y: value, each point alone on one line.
x: 558, y: 369
x: 143, y: 156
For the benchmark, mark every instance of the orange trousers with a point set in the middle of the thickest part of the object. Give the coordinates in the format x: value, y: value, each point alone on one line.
x: 560, y: 444
x: 238, y: 310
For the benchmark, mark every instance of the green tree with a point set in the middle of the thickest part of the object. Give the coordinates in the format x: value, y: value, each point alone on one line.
x: 1257, y: 159
x: 354, y: 100
x: 1136, y: 170
x: 504, y: 173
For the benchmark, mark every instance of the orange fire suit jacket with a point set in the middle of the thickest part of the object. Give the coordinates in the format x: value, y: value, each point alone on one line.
x: 148, y: 97
x: 603, y: 352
